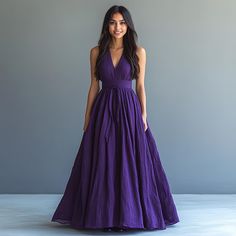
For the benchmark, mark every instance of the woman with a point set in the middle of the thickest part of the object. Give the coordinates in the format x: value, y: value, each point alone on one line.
x: 117, y: 181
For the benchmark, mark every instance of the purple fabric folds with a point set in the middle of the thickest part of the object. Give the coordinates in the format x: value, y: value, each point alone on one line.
x: 117, y: 179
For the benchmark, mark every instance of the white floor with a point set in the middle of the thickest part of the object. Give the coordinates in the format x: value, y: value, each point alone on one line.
x: 200, y: 214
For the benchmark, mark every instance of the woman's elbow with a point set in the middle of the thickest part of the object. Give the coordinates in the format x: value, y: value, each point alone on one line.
x: 140, y: 88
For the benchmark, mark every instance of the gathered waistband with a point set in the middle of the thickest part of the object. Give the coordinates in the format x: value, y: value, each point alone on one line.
x: 118, y: 84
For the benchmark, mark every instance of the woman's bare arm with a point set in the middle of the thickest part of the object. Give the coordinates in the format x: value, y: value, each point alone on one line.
x: 140, y: 87
x: 94, y: 85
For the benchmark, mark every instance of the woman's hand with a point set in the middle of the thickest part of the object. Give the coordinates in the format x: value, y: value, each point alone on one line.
x: 144, y: 117
x: 86, y: 122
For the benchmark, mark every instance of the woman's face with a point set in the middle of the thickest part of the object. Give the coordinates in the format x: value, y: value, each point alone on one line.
x: 117, y: 26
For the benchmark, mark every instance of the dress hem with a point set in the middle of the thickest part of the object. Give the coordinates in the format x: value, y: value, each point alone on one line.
x: 115, y: 226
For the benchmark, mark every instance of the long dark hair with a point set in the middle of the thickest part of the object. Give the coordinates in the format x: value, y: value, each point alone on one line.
x: 129, y: 40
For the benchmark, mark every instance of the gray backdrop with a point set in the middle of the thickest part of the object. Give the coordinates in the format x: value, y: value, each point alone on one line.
x: 190, y: 85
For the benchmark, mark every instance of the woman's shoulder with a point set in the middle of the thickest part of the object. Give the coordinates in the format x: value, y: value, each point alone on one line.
x: 140, y: 51
x: 94, y: 50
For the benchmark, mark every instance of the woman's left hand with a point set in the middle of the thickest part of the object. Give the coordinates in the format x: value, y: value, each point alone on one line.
x: 144, y: 117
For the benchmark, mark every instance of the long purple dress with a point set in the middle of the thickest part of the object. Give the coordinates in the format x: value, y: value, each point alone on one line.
x: 117, y: 179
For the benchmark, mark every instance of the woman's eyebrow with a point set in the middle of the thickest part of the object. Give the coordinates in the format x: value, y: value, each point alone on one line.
x: 115, y: 20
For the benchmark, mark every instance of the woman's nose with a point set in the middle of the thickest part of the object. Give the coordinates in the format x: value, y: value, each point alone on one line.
x: 117, y: 26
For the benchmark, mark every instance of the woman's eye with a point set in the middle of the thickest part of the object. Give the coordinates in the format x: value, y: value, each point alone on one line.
x: 112, y: 22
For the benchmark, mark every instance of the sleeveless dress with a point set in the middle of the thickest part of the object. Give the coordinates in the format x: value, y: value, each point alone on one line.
x: 117, y: 179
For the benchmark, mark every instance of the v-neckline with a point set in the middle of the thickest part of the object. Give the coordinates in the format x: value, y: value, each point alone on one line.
x: 115, y: 67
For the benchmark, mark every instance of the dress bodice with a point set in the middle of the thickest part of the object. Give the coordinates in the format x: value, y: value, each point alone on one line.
x: 115, y: 76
